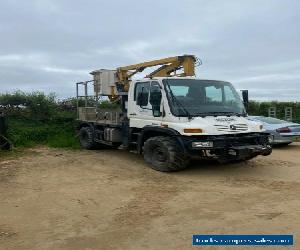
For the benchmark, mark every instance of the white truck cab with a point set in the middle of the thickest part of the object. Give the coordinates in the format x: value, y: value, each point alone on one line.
x: 190, y: 106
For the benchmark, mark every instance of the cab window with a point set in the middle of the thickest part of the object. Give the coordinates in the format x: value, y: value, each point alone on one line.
x: 213, y: 94
x: 142, y: 87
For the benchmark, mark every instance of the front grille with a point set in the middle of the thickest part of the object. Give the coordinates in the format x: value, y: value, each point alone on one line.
x: 231, y: 128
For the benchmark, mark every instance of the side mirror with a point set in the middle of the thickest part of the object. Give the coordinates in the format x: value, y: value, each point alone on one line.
x: 245, y: 96
x: 156, y: 112
x: 142, y: 98
x: 155, y: 100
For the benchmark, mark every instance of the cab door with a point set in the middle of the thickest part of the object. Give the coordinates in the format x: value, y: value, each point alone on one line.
x: 145, y: 108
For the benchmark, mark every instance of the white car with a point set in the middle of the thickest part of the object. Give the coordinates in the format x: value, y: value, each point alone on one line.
x: 283, y: 132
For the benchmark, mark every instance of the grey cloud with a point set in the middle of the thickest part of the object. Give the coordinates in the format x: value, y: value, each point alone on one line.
x: 48, y: 45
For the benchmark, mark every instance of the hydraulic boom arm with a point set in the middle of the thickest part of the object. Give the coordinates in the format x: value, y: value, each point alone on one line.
x: 168, y: 67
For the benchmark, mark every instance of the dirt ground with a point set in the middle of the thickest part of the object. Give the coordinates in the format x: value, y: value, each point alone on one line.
x: 65, y: 199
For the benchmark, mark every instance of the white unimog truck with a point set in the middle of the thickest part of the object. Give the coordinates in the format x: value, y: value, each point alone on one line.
x: 169, y: 116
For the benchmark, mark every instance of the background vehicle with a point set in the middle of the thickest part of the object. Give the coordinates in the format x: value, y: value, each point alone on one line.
x: 169, y: 116
x: 283, y: 132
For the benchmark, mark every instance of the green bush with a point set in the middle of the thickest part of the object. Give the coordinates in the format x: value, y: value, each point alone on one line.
x: 108, y: 105
x: 28, y: 132
x: 35, y: 118
x: 15, y: 99
x: 35, y: 104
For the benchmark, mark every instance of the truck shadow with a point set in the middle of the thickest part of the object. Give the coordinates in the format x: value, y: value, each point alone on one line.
x: 257, y: 164
x: 214, y: 165
x: 292, y: 146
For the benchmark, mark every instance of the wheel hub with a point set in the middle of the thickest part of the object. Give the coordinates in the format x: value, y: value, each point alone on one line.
x: 159, y: 155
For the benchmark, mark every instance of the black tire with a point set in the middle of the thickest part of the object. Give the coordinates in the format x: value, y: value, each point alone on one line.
x: 86, y: 138
x: 164, y: 154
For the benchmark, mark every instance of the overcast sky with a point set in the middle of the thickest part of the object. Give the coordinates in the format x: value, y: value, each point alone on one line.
x: 48, y: 45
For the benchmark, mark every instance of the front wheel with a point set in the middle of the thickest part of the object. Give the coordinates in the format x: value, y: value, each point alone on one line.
x: 164, y: 154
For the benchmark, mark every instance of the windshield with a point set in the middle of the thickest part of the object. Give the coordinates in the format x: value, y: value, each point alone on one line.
x: 191, y: 97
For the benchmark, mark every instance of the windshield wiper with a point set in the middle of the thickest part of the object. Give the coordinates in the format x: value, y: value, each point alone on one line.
x: 201, y: 114
x: 174, y: 100
x: 219, y: 113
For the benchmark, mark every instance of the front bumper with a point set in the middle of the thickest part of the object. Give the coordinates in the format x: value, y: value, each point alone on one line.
x: 229, y: 147
x: 247, y: 152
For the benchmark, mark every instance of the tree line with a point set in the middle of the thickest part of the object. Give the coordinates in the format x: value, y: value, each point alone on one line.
x: 38, y: 118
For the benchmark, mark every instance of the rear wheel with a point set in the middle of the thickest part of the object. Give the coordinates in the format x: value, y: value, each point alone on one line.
x: 164, y: 154
x: 86, y: 138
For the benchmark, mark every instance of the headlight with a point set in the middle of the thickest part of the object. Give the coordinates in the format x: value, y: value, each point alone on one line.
x: 202, y: 144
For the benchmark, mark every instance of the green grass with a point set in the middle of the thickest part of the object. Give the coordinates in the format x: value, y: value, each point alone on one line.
x: 59, y: 133
x: 63, y: 140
